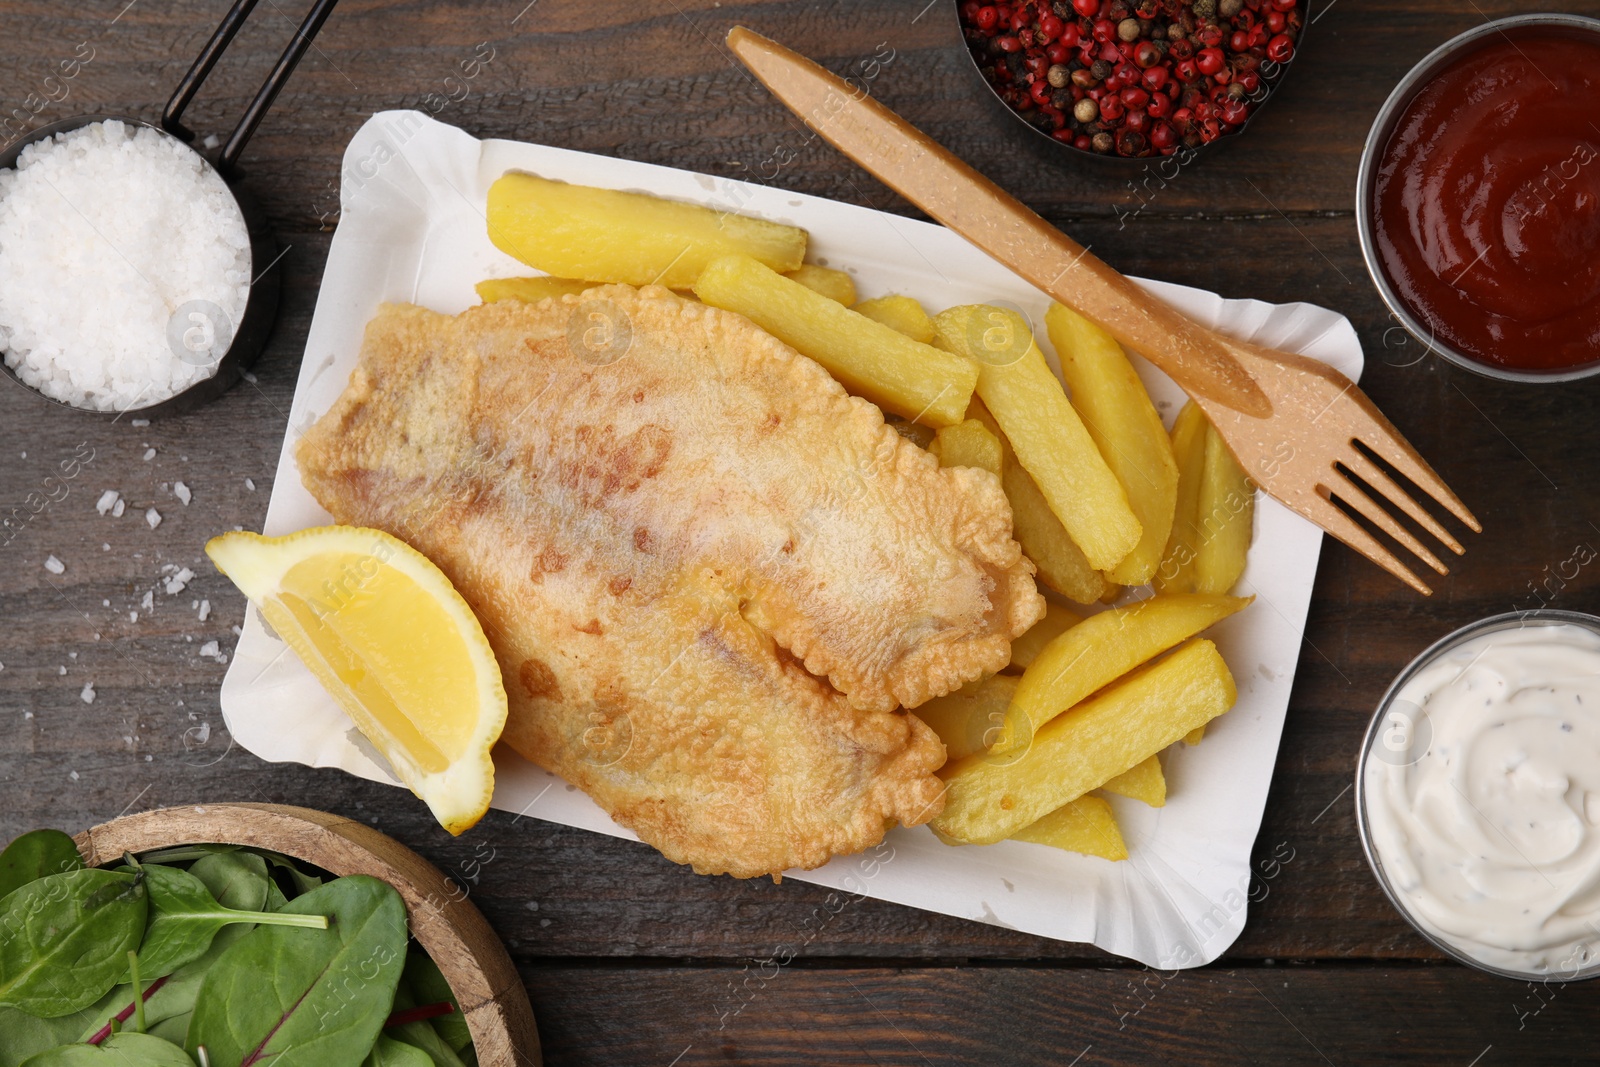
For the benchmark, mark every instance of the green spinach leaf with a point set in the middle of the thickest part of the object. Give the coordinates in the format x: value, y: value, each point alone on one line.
x: 65, y: 939
x: 184, y: 917
x: 391, y: 1053
x: 35, y: 855
x: 306, y: 998
x: 298, y: 878
x: 118, y: 1050
x: 237, y: 880
x: 184, y: 853
x: 21, y: 1035
x: 427, y: 985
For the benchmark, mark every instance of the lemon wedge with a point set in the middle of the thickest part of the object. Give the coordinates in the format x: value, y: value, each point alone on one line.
x: 389, y: 637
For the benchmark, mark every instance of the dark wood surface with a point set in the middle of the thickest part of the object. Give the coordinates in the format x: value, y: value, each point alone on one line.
x: 630, y: 959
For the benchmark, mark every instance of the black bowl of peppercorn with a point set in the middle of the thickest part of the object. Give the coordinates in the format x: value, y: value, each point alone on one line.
x: 1132, y: 79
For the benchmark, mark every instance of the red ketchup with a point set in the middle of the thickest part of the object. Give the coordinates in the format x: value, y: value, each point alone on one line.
x: 1487, y: 202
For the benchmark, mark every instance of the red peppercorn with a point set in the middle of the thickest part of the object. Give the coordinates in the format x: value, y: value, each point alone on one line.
x: 1147, y: 55
x: 1058, y: 54
x: 1283, y: 5
x: 1181, y: 49
x: 1070, y: 35
x: 1234, y: 112
x: 1211, y: 36
x: 1064, y: 136
x: 1160, y: 105
x: 1086, y: 8
x: 1110, y: 108
x: 969, y: 10
x: 1239, y: 41
x: 1280, y: 48
x: 986, y: 18
x: 1249, y: 79
x: 1051, y: 27
x: 1210, y: 60
x: 1008, y: 44
x: 1136, y: 120
x: 1155, y: 78
x: 1276, y: 21
x: 1134, y: 99
x: 1210, y: 130
x: 1040, y: 91
x: 1186, y: 70
x: 1083, y: 142
x: 1162, y: 136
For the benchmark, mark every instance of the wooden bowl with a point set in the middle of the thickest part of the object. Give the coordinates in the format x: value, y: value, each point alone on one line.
x: 454, y: 933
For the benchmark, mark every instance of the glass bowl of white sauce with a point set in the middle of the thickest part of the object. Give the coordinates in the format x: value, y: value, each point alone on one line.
x: 1478, y: 795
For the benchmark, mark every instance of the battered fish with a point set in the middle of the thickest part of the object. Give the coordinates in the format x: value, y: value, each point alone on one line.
x: 709, y: 574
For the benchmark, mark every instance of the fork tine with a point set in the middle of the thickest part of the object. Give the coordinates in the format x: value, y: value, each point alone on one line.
x: 1387, y: 488
x: 1352, y: 494
x: 1388, y: 443
x: 1345, y: 529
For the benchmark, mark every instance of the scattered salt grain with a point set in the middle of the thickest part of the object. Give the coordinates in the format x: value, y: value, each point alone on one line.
x: 54, y: 566
x: 107, y: 501
x: 87, y: 695
x: 133, y: 616
x: 149, y: 454
x: 105, y: 232
x: 181, y: 491
x: 105, y: 546
x: 178, y: 582
x: 73, y: 775
x: 105, y: 603
x: 250, y: 484
x: 149, y: 601
x: 205, y: 610
x: 116, y: 512
x: 62, y: 670
x: 251, y: 378
x: 153, y: 517
x: 210, y: 649
x: 138, y: 422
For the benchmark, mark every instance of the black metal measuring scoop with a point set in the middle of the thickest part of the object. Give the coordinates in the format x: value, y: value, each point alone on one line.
x: 198, y: 331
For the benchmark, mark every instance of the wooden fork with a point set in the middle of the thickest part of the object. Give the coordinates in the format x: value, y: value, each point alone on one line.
x: 1299, y: 428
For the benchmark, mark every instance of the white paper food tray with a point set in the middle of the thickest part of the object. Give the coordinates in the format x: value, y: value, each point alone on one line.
x: 412, y: 229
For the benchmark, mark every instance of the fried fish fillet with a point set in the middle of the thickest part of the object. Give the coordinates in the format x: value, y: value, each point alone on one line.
x: 709, y: 574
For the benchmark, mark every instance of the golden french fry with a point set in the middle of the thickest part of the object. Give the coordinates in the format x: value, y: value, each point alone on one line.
x: 967, y: 444
x: 1143, y: 781
x: 869, y: 359
x: 1225, y: 520
x: 836, y: 285
x: 899, y: 313
x: 577, y: 231
x: 529, y: 290
x: 1195, y: 736
x: 1177, y: 571
x: 1084, y: 825
x: 970, y: 719
x: 1116, y: 410
x: 988, y: 799
x: 1026, y: 649
x: 1103, y: 648
x: 1049, y: 439
x: 1060, y: 562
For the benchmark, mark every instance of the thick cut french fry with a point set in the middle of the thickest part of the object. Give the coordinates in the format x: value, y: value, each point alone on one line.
x: 970, y: 719
x: 836, y: 285
x: 1226, y: 517
x: 1026, y: 649
x: 900, y: 313
x: 576, y: 231
x: 1103, y: 648
x: 989, y: 799
x: 1060, y: 562
x: 1176, y: 573
x: 1144, y: 781
x: 529, y: 290
x: 967, y: 444
x: 1116, y: 410
x: 1195, y: 736
x: 1046, y: 434
x: 1084, y: 825
x: 871, y: 360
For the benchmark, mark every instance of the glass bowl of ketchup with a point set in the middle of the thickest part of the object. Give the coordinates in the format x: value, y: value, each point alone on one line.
x: 1478, y: 199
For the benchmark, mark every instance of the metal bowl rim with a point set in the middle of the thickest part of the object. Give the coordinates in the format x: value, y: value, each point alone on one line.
x: 1426, y: 658
x: 1377, y: 138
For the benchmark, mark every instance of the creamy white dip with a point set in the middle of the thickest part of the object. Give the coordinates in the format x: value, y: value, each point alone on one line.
x: 1482, y: 798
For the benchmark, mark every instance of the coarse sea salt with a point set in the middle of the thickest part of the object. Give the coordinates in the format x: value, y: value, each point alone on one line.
x: 54, y: 566
x: 107, y: 501
x: 112, y: 238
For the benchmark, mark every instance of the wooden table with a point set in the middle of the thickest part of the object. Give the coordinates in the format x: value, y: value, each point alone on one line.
x: 629, y: 959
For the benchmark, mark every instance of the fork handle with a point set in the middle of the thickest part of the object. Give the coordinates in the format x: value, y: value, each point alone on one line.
x: 1201, y: 361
